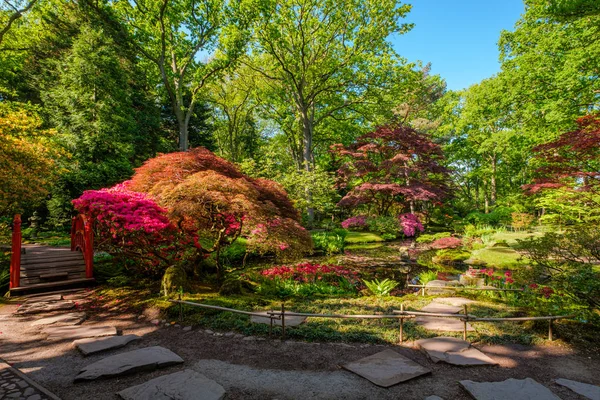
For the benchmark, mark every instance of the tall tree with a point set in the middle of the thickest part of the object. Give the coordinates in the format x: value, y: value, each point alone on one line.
x: 188, y: 43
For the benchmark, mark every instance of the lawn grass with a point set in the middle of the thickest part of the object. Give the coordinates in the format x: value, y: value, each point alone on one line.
x: 363, y: 237
x: 501, y: 257
x: 512, y: 237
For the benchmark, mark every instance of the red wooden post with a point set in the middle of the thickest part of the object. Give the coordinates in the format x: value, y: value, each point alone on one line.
x: 15, y: 258
x: 89, y: 247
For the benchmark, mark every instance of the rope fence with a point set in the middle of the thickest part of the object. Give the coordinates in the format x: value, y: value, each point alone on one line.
x: 400, y: 315
x: 461, y: 288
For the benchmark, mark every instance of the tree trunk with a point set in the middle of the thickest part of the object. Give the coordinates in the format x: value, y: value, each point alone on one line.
x: 487, y: 203
x: 494, y: 161
x: 307, y: 138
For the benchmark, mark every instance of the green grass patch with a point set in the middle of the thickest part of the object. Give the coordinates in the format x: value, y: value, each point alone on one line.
x: 512, y: 237
x: 364, y: 246
x: 363, y: 237
x: 498, y: 257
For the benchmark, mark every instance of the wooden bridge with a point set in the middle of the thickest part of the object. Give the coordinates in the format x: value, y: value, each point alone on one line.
x: 43, y: 268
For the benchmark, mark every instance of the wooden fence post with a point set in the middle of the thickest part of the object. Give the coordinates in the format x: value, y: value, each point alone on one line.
x: 465, y: 323
x: 402, y: 323
x: 282, y: 320
x: 550, y: 335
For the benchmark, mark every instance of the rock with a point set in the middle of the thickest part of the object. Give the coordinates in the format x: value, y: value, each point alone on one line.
x: 229, y: 334
x: 79, y: 332
x: 42, y: 307
x: 209, y: 331
x: 436, y: 287
x: 177, y: 326
x: 238, y: 336
x: 453, y: 351
x: 69, y: 318
x: 183, y: 385
x: 442, y: 324
x: 584, y: 389
x: 43, y: 299
x: 175, y: 278
x: 90, y: 346
x: 514, y: 389
x: 187, y: 328
x: 155, y: 322
x: 434, y: 397
x: 289, y: 320
x: 249, y: 338
x: 34, y: 397
x: 386, y: 368
x: 148, y: 358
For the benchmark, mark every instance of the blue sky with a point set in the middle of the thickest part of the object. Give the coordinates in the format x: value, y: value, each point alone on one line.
x: 458, y: 37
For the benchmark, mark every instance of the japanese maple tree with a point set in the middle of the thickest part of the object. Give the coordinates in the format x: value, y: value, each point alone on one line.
x: 208, y: 196
x: 568, y: 170
x: 390, y: 169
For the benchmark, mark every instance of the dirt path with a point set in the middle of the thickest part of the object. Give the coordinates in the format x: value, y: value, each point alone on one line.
x: 272, y: 369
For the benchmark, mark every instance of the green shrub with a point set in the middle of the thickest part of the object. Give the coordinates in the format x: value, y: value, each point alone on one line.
x: 450, y: 256
x: 428, y: 238
x: 500, y: 215
x: 380, y: 288
x: 384, y: 226
x: 427, y: 276
x: 330, y: 242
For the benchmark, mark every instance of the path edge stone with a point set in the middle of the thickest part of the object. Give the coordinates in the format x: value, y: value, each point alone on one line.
x: 37, y: 386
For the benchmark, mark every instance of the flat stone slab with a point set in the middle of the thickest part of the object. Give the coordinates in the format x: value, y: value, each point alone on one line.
x: 513, y: 389
x: 42, y: 307
x: 46, y: 298
x: 386, y: 368
x: 435, y: 307
x: 146, y: 359
x: 67, y: 319
x: 442, y: 324
x: 453, y: 351
x: 183, y: 385
x: 585, y: 389
x: 454, y: 301
x: 289, y: 321
x: 93, y: 345
x: 79, y: 332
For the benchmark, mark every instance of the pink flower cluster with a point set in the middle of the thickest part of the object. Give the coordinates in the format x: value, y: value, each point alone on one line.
x: 307, y: 272
x: 123, y: 209
x: 359, y: 221
x: 447, y: 243
x: 410, y: 224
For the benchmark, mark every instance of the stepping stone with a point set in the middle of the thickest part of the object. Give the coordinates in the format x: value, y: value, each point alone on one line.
x: 386, y: 368
x: 46, y: 298
x: 147, y: 359
x: 454, y: 301
x: 585, y: 389
x: 184, y: 385
x: 434, y: 397
x: 514, y: 389
x: 442, y: 324
x: 289, y: 320
x: 79, y: 332
x: 453, y: 351
x: 42, y: 307
x: 92, y: 345
x: 70, y: 319
x: 435, y: 307
x: 436, y: 287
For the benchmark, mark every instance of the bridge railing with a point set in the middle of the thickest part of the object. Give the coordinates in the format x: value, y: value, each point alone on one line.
x: 15, y: 258
x: 82, y: 239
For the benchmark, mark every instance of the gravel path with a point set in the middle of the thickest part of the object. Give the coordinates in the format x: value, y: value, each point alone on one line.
x: 271, y: 369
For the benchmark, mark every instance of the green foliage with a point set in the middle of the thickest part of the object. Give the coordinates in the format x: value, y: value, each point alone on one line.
x: 330, y: 242
x: 383, y: 225
x: 427, y: 276
x: 363, y: 237
x: 450, y: 256
x: 500, y: 215
x: 381, y: 288
x: 428, y: 238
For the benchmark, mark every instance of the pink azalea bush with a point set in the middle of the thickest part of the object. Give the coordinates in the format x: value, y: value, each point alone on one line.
x: 410, y: 224
x: 357, y: 222
x: 447, y: 243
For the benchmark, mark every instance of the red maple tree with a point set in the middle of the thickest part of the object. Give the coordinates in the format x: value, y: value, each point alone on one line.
x: 392, y: 166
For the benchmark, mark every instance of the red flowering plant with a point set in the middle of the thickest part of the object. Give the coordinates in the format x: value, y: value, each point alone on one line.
x: 356, y: 222
x: 130, y: 225
x: 308, y: 279
x: 410, y: 224
x: 447, y: 243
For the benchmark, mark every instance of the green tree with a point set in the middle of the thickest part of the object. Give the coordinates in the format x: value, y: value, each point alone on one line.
x: 187, y: 43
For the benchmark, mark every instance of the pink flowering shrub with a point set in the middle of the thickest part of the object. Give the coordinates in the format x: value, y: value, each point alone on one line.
x: 410, y: 224
x: 132, y: 226
x: 447, y: 243
x: 356, y: 222
x: 308, y: 279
